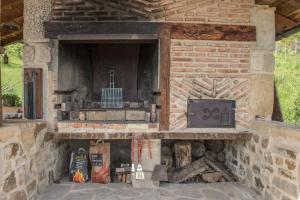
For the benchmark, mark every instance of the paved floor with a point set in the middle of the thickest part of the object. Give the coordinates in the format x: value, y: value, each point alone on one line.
x: 215, y: 191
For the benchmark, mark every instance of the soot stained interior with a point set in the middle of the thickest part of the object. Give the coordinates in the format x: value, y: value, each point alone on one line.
x: 85, y: 67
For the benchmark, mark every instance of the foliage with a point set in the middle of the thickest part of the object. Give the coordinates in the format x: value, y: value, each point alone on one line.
x: 11, y: 100
x: 287, y: 77
x: 14, y: 50
x: 11, y: 73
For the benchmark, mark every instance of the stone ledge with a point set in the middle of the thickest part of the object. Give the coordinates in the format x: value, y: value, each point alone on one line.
x: 187, y: 134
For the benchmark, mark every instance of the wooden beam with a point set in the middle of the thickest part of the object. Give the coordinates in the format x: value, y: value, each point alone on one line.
x: 54, y: 29
x: 178, y: 31
x: 283, y: 21
x: 11, y: 38
x: 6, y: 3
x: 165, y: 43
x: 213, y: 32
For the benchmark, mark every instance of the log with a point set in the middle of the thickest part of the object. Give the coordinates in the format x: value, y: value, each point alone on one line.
x: 198, y: 149
x: 212, y: 177
x: 166, y: 157
x: 219, y: 168
x: 179, y: 175
x: 183, y: 154
x: 221, y: 157
x: 215, y: 145
x: 160, y: 173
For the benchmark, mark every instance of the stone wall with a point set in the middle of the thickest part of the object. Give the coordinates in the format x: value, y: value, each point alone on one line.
x: 270, y: 162
x: 29, y: 160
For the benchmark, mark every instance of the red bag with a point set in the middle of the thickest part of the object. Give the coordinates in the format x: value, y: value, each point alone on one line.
x: 100, y: 175
x: 100, y: 161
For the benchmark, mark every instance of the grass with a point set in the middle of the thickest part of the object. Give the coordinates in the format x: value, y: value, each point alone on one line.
x: 287, y: 77
x: 12, y: 74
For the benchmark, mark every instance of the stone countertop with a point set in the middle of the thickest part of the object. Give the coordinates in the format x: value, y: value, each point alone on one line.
x: 185, y: 134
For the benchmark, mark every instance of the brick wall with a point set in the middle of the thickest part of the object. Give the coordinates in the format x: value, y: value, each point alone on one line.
x: 199, y: 69
x: 209, y: 70
x: 201, y: 11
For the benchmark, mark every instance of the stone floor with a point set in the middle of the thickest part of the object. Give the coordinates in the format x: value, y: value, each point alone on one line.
x: 215, y: 191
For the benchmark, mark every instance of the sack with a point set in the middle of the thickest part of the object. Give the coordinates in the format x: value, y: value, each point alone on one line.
x: 78, y: 168
x: 100, y: 161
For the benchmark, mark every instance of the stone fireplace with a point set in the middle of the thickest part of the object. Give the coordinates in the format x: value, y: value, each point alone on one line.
x: 161, y: 53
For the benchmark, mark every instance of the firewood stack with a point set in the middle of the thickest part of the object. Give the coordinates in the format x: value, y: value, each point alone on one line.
x: 196, y: 161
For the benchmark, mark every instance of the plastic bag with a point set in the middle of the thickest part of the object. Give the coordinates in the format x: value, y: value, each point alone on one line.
x: 78, y: 168
x: 100, y: 161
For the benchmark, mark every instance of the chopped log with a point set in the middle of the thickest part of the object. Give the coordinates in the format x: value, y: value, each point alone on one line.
x: 211, y: 154
x: 214, y: 145
x: 166, y: 157
x: 212, y: 177
x: 178, y: 175
x: 219, y: 168
x: 198, y: 149
x: 160, y: 173
x: 183, y: 154
x: 221, y: 157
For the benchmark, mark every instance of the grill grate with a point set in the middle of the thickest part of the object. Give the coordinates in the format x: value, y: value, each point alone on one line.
x: 112, y: 97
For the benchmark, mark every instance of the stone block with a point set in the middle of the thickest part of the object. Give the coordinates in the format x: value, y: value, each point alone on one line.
x: 66, y: 106
x: 18, y: 195
x: 286, y: 186
x: 10, y: 182
x: 31, y: 188
x: 95, y: 115
x: 115, y: 115
x: 264, y: 19
x: 262, y: 60
x: 261, y: 95
x: 28, y: 54
x: 74, y: 115
x: 30, y: 133
x: 82, y: 115
x: 8, y: 132
x: 135, y: 115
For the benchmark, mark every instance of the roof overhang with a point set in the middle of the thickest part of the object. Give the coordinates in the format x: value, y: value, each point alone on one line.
x: 11, y: 21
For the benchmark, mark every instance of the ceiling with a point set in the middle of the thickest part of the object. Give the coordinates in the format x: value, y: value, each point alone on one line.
x: 11, y: 19
x: 287, y: 16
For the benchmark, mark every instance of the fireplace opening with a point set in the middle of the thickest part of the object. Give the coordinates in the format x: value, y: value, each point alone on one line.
x: 108, y: 81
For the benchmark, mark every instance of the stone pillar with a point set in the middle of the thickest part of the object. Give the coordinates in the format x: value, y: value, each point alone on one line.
x: 40, y: 52
x: 147, y: 163
x: 262, y: 63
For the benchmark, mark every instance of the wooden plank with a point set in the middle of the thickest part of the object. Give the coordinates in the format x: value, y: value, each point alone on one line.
x: 34, y: 75
x: 182, y: 174
x: 213, y: 32
x: 165, y: 43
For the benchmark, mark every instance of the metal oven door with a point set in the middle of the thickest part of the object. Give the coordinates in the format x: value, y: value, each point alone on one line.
x: 211, y: 113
